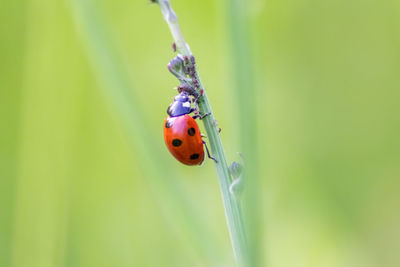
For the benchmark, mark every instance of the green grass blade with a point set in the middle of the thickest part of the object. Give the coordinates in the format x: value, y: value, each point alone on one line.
x: 232, y: 207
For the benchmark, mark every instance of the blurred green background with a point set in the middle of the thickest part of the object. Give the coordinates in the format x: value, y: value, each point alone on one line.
x: 86, y: 180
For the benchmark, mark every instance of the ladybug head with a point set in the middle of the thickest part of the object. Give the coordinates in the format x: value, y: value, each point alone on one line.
x: 180, y: 106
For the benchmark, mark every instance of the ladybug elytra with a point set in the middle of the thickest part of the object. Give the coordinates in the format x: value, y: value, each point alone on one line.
x: 181, y: 132
x: 183, y: 139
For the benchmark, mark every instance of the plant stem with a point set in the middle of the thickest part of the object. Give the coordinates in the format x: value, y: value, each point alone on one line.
x: 231, y: 203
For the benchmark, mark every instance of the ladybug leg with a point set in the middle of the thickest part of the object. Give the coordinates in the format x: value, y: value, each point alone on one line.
x: 198, y: 116
x: 195, y: 112
x: 208, y: 152
x: 204, y: 115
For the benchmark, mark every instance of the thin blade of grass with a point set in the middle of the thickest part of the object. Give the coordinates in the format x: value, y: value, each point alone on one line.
x: 231, y: 202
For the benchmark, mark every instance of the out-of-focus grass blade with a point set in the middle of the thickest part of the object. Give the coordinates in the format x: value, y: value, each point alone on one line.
x: 112, y: 75
x: 11, y: 54
x: 244, y: 87
x: 45, y: 130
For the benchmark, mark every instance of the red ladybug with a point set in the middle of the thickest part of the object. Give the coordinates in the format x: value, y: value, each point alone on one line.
x: 183, y: 139
x: 182, y: 134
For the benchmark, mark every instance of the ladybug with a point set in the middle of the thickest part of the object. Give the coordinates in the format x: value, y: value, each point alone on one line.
x: 182, y: 134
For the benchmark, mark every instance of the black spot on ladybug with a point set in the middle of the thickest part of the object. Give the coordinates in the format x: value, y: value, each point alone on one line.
x: 168, y: 124
x: 191, y: 131
x: 194, y: 156
x: 176, y: 142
